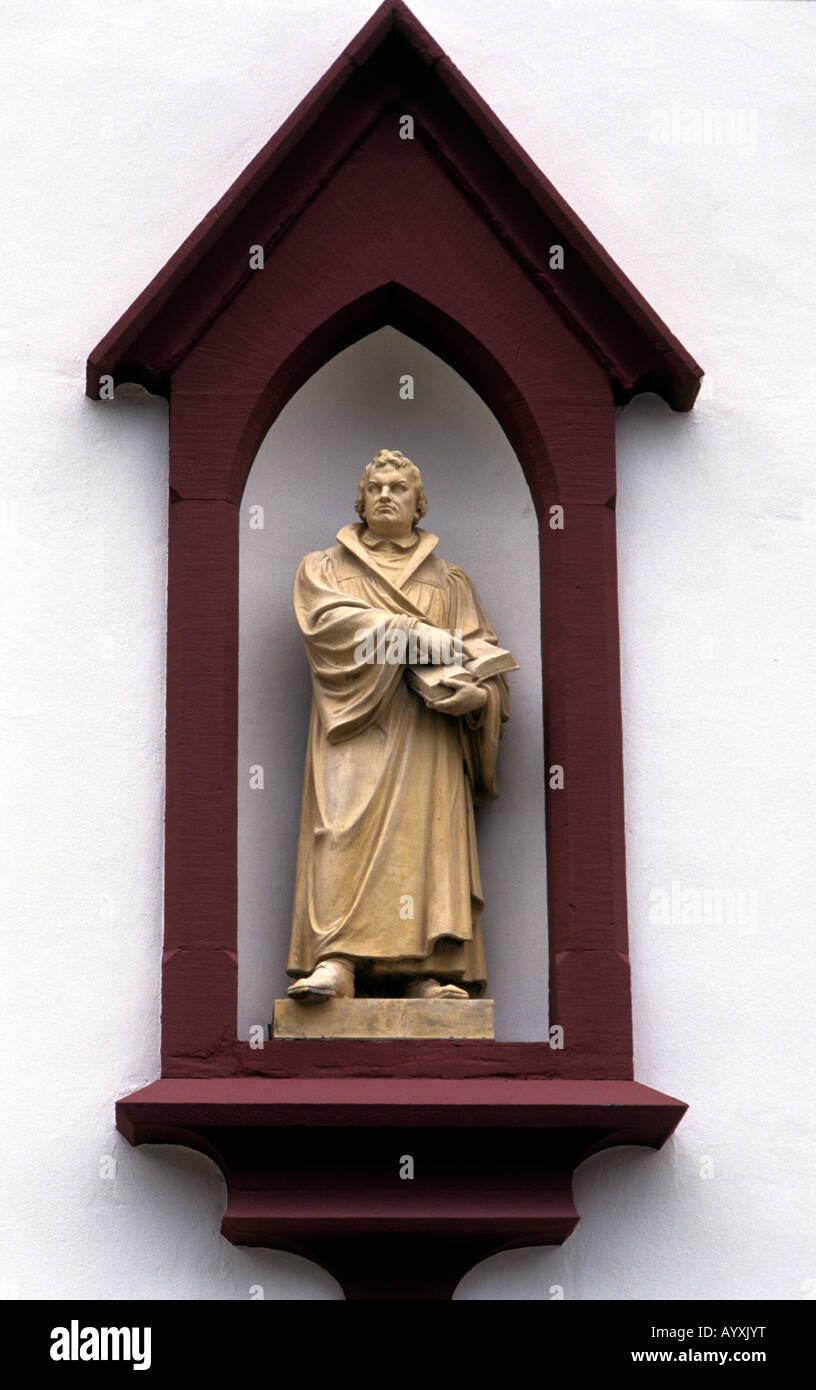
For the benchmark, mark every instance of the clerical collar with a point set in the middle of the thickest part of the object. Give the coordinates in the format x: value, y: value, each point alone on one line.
x: 385, y: 542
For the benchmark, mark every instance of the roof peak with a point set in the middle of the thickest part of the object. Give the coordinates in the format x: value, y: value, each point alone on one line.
x: 393, y: 16
x: 455, y: 126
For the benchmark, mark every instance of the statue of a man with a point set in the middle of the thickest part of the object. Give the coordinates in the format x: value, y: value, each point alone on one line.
x: 388, y: 897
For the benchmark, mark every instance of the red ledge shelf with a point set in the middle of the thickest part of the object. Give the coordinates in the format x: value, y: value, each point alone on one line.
x: 647, y: 1115
x: 313, y: 1165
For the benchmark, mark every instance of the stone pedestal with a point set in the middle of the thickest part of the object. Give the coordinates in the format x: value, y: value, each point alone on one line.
x: 383, y: 1018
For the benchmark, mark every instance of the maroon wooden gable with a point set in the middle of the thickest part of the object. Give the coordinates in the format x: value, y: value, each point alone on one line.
x: 455, y: 238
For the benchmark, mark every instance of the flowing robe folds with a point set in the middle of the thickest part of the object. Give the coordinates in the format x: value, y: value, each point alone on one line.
x: 387, y: 869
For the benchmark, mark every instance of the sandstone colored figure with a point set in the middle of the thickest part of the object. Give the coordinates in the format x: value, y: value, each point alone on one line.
x: 388, y: 897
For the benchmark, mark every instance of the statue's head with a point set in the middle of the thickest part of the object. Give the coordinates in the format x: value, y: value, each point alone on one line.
x: 390, y: 497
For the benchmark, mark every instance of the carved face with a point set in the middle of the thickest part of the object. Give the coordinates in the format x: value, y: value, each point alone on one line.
x: 390, y: 502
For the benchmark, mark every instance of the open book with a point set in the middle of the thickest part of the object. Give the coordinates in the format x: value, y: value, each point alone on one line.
x: 481, y: 661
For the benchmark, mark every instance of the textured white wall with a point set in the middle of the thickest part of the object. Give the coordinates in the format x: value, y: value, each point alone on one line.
x: 682, y: 134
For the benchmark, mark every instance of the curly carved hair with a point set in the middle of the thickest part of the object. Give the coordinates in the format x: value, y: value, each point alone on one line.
x: 392, y: 458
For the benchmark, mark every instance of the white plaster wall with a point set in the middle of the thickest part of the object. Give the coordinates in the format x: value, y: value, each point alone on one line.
x: 124, y: 125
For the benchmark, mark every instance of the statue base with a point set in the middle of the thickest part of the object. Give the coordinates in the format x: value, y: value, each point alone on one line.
x: 383, y: 1018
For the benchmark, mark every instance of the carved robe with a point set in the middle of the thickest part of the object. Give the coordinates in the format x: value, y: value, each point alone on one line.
x: 387, y: 869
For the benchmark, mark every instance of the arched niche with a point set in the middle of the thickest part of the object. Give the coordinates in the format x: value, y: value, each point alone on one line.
x: 304, y: 479
x: 454, y: 238
x: 558, y: 414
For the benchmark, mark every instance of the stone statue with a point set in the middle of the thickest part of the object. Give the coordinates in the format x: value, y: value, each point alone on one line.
x: 409, y: 696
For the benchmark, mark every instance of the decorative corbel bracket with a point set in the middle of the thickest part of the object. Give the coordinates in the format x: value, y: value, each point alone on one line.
x: 398, y: 1187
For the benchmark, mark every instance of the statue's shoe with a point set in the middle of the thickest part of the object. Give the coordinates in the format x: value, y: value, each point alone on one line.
x: 432, y: 989
x: 331, y: 979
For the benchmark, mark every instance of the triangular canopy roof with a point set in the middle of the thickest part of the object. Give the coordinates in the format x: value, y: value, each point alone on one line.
x: 391, y: 62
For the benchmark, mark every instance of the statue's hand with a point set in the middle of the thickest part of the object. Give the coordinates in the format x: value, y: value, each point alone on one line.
x: 434, y: 644
x: 466, y: 698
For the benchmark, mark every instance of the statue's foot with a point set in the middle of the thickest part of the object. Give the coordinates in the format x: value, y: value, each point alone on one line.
x: 331, y: 979
x: 432, y: 989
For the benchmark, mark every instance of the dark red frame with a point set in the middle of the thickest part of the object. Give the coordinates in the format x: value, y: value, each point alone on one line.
x: 345, y: 212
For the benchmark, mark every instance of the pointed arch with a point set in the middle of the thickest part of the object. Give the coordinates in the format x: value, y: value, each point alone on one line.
x: 396, y: 306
